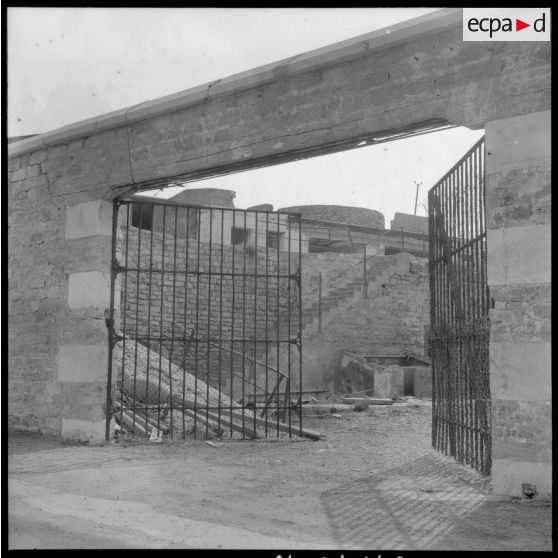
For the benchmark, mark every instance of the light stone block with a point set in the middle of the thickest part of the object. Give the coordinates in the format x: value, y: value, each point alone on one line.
x: 89, y: 219
x: 84, y: 431
x: 519, y: 255
x: 82, y: 363
x: 517, y: 142
x: 89, y: 288
x: 520, y: 371
x: 508, y: 475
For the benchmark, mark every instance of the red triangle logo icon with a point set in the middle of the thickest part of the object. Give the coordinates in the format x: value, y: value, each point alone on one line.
x: 519, y: 25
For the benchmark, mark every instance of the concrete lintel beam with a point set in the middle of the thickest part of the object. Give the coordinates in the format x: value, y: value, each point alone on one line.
x: 330, y: 55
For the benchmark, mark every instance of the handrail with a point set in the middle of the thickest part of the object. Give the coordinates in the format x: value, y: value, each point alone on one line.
x: 315, y: 289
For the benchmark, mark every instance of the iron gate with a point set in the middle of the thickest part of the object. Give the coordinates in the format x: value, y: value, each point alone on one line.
x: 204, y: 325
x: 459, y: 302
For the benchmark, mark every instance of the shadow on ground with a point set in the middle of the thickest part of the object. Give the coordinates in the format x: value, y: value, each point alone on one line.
x: 430, y: 503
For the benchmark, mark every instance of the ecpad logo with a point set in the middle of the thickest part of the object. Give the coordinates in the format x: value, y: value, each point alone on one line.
x: 506, y: 24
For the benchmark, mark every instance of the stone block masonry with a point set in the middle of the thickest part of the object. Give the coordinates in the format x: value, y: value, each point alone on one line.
x: 415, y: 74
x: 518, y: 214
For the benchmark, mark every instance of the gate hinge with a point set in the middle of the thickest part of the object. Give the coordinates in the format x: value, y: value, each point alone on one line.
x: 118, y: 202
x: 113, y: 336
x: 116, y: 267
x: 296, y: 277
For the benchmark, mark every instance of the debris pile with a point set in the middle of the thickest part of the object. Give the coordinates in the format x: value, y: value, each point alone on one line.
x: 155, y: 397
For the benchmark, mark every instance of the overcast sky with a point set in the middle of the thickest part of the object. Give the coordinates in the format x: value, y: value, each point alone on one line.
x: 68, y: 64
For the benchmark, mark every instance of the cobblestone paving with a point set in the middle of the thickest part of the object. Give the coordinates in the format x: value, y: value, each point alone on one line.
x: 405, y: 508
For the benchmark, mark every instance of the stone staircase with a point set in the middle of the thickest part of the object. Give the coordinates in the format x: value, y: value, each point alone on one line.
x: 349, y: 289
x: 341, y: 296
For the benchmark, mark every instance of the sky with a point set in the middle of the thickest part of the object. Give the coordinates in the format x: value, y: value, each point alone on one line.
x: 69, y: 64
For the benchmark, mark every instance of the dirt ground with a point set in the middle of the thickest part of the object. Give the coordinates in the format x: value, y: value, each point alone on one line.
x: 373, y: 483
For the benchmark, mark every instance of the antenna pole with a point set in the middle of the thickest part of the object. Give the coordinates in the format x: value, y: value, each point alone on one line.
x: 416, y: 197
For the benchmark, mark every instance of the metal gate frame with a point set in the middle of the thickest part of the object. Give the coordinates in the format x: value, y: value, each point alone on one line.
x: 210, y: 308
x: 459, y: 304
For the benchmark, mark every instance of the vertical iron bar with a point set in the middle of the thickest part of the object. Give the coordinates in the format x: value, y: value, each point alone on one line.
x: 484, y: 403
x: 278, y: 324
x: 482, y: 337
x: 111, y: 335
x: 149, y: 325
x: 233, y: 248
x: 431, y: 282
x: 364, y: 281
x: 288, y: 386
x: 221, y: 279
x: 453, y: 295
x: 137, y: 320
x: 459, y: 270
x: 320, y: 302
x: 197, y: 331
x: 267, y: 314
x: 449, y: 316
x: 244, y: 330
x: 471, y: 234
x: 463, y: 305
x: 254, y: 367
x: 186, y: 342
x: 174, y: 266
x: 209, y: 276
x: 161, y: 314
x: 125, y: 313
x: 299, y: 300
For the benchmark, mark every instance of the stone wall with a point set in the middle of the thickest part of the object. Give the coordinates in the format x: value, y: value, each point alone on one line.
x: 518, y: 187
x: 409, y: 223
x: 389, y: 321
